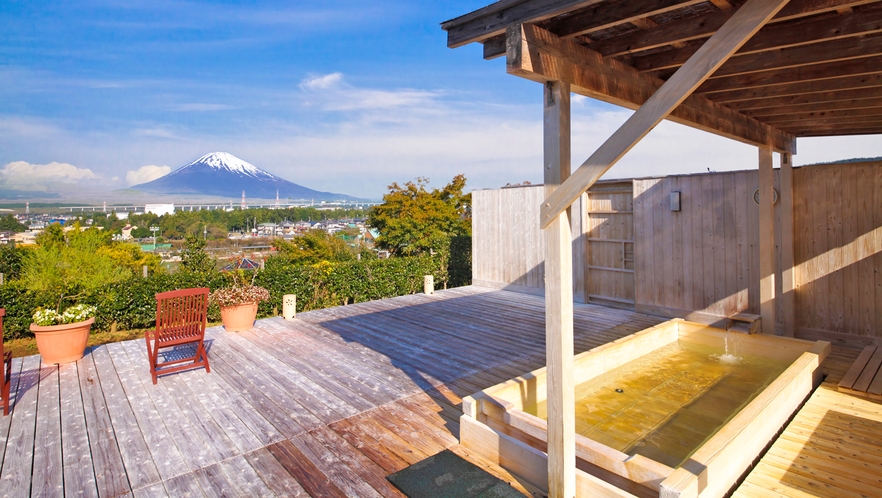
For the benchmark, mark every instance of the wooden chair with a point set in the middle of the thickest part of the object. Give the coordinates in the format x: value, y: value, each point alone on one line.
x: 7, y: 366
x: 181, y: 316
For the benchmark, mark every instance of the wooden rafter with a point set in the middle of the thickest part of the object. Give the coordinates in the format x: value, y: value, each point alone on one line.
x: 819, y: 99
x: 779, y: 36
x: 601, y: 17
x: 695, y: 28
x: 815, y: 72
x: 727, y: 40
x: 788, y: 58
x: 801, y: 88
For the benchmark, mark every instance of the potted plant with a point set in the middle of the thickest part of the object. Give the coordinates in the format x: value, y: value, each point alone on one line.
x: 62, y: 337
x: 238, y: 303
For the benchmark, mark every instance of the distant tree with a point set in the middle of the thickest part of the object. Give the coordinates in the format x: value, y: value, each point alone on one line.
x: 9, y: 223
x: 11, y: 260
x: 65, y: 269
x: 141, y: 232
x: 131, y: 256
x: 414, y: 220
x: 194, y: 257
x: 312, y: 247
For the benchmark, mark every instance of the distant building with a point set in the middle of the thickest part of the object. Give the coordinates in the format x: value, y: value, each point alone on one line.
x: 160, y: 209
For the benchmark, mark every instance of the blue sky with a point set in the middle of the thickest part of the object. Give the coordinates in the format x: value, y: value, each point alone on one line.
x: 335, y: 95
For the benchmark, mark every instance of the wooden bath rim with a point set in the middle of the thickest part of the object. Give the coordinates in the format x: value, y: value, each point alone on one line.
x: 494, y: 425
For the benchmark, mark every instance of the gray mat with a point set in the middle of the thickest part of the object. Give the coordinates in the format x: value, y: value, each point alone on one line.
x: 446, y: 475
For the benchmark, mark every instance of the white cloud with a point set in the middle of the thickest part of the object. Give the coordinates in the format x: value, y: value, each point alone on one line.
x: 21, y: 174
x: 146, y: 174
x: 314, y: 82
x: 337, y: 95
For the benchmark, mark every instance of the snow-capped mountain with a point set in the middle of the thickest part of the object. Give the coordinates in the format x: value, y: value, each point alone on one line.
x: 225, y: 175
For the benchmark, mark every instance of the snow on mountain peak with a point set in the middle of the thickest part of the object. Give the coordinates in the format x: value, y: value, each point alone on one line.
x: 229, y: 162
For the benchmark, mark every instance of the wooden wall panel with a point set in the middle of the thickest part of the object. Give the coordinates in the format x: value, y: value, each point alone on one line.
x: 508, y: 248
x: 703, y: 258
x: 837, y: 247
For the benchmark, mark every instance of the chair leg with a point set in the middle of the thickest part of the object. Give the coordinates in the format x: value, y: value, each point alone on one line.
x: 7, y: 380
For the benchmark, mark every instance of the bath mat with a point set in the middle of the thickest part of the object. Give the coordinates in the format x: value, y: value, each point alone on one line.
x: 446, y: 475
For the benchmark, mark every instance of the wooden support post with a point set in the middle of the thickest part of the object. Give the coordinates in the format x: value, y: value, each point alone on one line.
x: 767, y: 240
x: 559, y: 300
x: 144, y: 271
x: 788, y: 294
x: 752, y: 16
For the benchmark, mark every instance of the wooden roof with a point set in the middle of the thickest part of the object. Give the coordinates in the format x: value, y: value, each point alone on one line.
x: 815, y: 69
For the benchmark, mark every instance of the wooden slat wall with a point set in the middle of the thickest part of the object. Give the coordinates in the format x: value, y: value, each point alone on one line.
x: 704, y: 258
x: 838, y: 252
x: 703, y: 262
x: 508, y: 248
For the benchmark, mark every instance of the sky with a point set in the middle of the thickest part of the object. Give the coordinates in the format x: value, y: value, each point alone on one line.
x: 340, y: 96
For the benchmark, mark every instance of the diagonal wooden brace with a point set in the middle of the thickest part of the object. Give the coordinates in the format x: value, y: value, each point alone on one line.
x: 716, y: 51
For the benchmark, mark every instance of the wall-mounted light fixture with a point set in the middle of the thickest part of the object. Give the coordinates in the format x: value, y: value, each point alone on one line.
x: 675, y: 201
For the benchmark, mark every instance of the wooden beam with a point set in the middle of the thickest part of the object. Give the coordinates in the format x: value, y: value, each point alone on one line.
x: 837, y: 50
x: 839, y: 131
x: 559, y: 300
x: 695, y: 28
x: 808, y: 98
x: 779, y: 36
x: 816, y: 72
x: 816, y: 107
x: 493, y: 19
x: 494, y: 47
x: 863, y: 121
x: 802, y: 88
x: 539, y: 55
x: 746, y: 21
x: 788, y: 293
x: 767, y: 241
x: 809, y: 116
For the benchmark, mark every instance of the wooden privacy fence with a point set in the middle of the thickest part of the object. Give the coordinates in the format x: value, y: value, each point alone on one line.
x: 631, y: 249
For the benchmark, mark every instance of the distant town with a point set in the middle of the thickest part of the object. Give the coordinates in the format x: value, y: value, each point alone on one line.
x: 144, y: 225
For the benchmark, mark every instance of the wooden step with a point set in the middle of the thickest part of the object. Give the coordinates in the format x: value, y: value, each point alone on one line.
x: 864, y: 378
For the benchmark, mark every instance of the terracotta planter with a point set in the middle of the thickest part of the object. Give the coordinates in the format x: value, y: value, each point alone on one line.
x: 239, y: 318
x: 62, y: 343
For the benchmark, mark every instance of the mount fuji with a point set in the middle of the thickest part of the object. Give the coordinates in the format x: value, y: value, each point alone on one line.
x: 225, y: 175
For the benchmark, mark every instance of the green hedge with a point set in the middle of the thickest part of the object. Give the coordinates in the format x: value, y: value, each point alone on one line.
x: 131, y: 304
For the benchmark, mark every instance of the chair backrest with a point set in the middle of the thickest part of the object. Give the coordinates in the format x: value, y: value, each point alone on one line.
x: 181, y: 314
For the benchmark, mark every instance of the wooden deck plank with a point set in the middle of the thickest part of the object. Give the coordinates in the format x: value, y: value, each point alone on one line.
x: 6, y: 421
x: 110, y: 473
x: 244, y: 478
x: 184, y: 486
x: 316, y: 483
x: 79, y: 473
x: 157, y: 419
x: 367, y: 470
x: 48, y: 474
x: 375, y: 450
x: 199, y: 438
x: 349, y: 482
x: 17, y: 465
x: 274, y: 475
x: 214, y: 482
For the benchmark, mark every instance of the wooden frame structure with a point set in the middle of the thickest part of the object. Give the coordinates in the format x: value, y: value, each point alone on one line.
x: 181, y: 317
x: 759, y: 71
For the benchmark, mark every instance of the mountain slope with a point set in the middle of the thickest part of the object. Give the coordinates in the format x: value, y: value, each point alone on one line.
x: 225, y: 175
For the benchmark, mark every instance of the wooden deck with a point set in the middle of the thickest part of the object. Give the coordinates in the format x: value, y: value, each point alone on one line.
x: 331, y: 403
x: 326, y: 405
